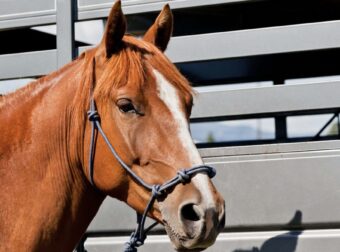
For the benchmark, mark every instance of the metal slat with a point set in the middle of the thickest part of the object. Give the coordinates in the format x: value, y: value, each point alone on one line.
x: 272, y: 40
x: 293, y: 241
x: 17, y: 13
x: 90, y: 10
x: 265, y: 191
x: 245, y: 43
x: 28, y: 21
x: 20, y: 8
x: 269, y: 149
x: 99, y: 8
x: 29, y: 64
x: 267, y: 100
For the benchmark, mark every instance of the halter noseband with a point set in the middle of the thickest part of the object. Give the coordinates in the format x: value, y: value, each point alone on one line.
x: 184, y: 176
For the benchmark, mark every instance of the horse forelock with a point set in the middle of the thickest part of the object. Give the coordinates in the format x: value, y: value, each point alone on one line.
x: 133, y: 65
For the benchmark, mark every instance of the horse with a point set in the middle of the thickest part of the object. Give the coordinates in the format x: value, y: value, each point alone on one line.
x: 51, y: 188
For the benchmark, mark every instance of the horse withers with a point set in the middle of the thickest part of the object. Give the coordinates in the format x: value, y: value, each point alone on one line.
x: 144, y: 103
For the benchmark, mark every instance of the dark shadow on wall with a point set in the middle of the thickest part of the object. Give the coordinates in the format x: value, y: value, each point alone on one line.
x: 286, y: 242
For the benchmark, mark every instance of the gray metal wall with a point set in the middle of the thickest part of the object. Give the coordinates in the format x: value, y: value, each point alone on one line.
x: 280, y: 196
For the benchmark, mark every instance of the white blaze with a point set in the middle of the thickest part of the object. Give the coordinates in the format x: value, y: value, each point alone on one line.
x: 169, y: 96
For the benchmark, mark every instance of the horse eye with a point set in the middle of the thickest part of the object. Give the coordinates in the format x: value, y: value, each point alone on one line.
x: 126, y: 106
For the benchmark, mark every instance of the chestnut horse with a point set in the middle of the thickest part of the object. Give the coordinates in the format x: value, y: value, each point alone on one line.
x: 47, y: 200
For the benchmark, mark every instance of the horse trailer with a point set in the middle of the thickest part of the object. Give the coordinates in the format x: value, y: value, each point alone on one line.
x: 266, y: 114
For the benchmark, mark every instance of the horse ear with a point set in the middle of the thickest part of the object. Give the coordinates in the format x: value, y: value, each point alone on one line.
x: 114, y: 30
x: 160, y: 32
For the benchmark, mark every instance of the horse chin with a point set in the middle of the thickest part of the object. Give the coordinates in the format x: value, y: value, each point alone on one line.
x: 183, y: 243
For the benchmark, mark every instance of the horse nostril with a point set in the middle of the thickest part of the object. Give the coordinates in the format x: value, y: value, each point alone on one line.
x: 222, y: 222
x: 191, y: 212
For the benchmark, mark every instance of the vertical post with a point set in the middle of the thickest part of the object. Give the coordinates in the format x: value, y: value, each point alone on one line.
x: 65, y: 31
x: 338, y: 124
x: 280, y: 121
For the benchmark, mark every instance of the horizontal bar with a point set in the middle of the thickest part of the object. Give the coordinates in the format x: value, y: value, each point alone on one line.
x: 262, y: 41
x: 251, y: 150
x: 267, y: 100
x: 28, y: 64
x: 289, y: 241
x: 101, y: 9
x: 272, y: 40
x: 17, y: 13
x: 27, y: 22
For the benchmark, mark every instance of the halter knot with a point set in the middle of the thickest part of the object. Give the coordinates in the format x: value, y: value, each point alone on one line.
x: 128, y: 247
x: 211, y: 171
x: 133, y: 243
x: 156, y: 192
x: 93, y: 115
x: 183, y: 176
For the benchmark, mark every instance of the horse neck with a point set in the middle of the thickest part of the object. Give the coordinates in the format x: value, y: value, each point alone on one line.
x: 46, y: 200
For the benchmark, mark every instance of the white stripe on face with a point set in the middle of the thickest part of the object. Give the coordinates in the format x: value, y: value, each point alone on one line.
x: 168, y: 94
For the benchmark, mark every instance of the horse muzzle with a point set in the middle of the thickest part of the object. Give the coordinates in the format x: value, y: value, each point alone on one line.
x: 196, y: 226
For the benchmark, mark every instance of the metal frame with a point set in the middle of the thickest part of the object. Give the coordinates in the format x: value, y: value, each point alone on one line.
x: 336, y: 115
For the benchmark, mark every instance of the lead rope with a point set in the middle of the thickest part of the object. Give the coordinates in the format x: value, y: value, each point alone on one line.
x: 184, y: 176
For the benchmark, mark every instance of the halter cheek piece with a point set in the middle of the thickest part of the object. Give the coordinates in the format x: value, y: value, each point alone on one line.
x: 183, y: 176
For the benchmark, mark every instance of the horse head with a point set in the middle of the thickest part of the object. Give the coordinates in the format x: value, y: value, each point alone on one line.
x: 144, y: 105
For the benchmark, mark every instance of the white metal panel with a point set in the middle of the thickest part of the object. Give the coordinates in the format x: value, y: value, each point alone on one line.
x: 89, y: 9
x: 28, y: 21
x: 17, y: 13
x: 10, y: 9
x: 261, y: 41
x: 275, y: 99
x: 28, y: 64
x: 251, y: 150
x: 263, y: 190
x: 275, y: 241
x: 21, y: 13
x: 113, y: 215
